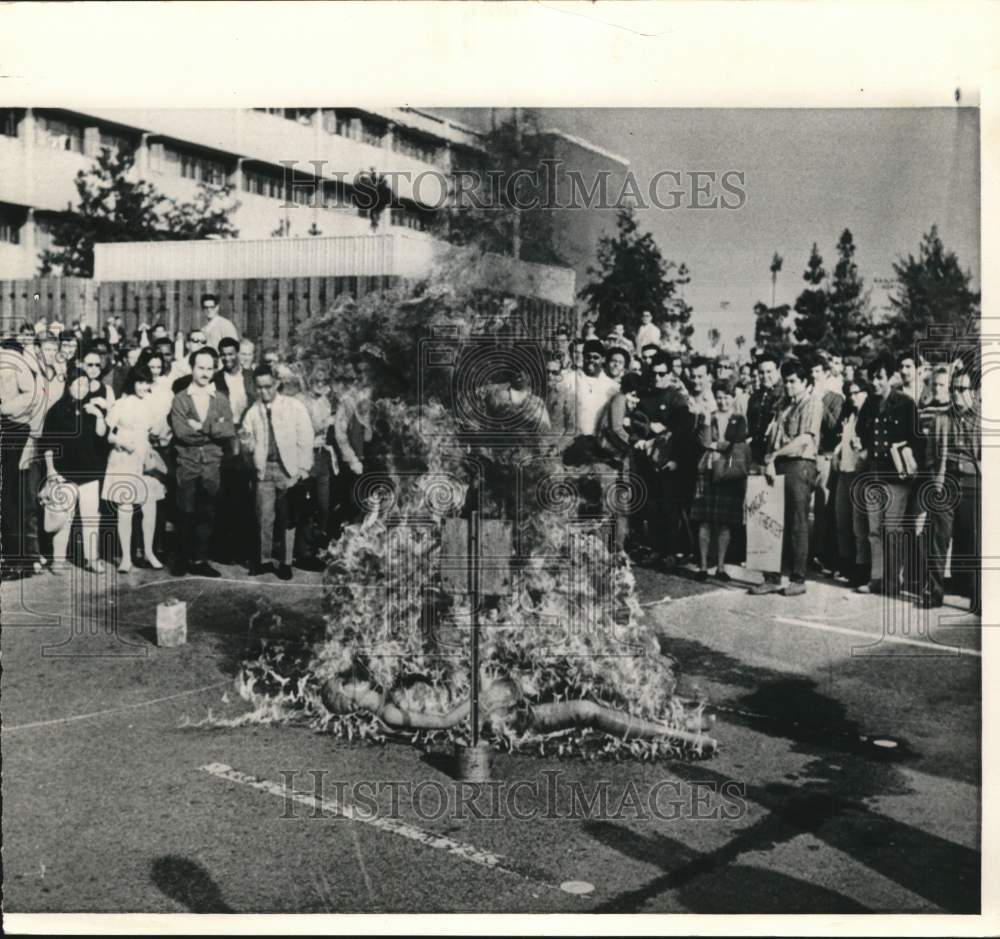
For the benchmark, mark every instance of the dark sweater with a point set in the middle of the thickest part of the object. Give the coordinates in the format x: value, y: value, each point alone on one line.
x: 70, y: 433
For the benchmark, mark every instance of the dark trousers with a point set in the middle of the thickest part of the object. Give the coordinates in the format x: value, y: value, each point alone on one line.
x: 13, y: 437
x: 958, y: 524
x: 235, y: 531
x: 31, y: 512
x: 800, y: 482
x: 197, y: 494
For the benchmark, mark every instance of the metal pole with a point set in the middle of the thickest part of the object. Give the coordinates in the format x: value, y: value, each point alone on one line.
x: 474, y: 591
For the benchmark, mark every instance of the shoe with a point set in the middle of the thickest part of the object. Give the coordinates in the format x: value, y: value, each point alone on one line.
x: 928, y: 602
x: 768, y: 586
x: 94, y: 567
x: 701, y: 576
x: 178, y: 569
x: 668, y: 563
x: 257, y: 569
x: 874, y: 586
x: 124, y: 568
x: 720, y: 574
x: 154, y: 563
x: 204, y: 569
x: 795, y: 589
x: 284, y: 572
x: 311, y: 564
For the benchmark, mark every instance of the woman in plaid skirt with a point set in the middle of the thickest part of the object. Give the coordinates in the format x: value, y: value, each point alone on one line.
x: 718, y: 506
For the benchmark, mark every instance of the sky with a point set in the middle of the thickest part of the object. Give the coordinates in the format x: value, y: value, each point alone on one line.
x: 887, y: 175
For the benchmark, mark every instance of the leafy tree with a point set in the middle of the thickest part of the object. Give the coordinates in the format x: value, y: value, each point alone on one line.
x: 770, y: 332
x: 113, y: 207
x: 372, y: 195
x: 849, y: 314
x: 631, y: 276
x: 932, y: 290
x: 501, y: 194
x: 811, y: 306
x: 740, y: 341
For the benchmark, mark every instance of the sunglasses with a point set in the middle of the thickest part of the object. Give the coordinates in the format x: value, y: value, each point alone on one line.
x: 659, y: 373
x: 92, y: 364
x: 197, y: 342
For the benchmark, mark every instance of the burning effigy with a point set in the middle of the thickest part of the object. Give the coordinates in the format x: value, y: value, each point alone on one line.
x: 564, y: 664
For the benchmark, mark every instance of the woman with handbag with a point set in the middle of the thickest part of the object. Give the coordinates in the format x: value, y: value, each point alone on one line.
x: 75, y: 450
x: 721, y: 481
x: 129, y: 480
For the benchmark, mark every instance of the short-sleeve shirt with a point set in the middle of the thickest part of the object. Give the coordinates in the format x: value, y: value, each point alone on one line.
x: 804, y: 416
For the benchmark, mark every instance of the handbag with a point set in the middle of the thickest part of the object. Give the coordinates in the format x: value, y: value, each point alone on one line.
x: 734, y: 465
x: 707, y: 462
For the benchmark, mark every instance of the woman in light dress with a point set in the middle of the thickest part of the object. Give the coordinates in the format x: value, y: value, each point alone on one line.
x: 131, y: 421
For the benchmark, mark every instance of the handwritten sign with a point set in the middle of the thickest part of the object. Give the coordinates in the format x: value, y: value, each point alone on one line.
x: 764, y: 514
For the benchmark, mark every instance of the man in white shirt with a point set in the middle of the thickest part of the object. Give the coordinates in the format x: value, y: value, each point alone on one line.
x: 278, y: 432
x: 649, y: 334
x: 594, y: 389
x: 217, y: 327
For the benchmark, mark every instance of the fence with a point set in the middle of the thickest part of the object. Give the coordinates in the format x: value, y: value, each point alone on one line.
x: 267, y: 310
x: 56, y: 298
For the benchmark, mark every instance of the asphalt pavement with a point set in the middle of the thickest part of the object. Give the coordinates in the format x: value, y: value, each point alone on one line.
x: 848, y: 778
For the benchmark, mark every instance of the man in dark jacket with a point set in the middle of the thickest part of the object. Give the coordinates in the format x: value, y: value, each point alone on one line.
x: 660, y: 462
x: 202, y: 421
x: 890, y: 439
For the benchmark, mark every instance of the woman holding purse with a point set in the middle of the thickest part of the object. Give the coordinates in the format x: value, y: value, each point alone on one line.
x: 721, y: 481
x: 75, y: 451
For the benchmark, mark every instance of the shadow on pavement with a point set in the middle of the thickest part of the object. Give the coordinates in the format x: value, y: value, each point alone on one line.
x: 189, y: 884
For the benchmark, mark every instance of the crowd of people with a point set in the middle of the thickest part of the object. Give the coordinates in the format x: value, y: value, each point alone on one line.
x: 201, y: 447
x: 209, y: 452
x: 879, y: 459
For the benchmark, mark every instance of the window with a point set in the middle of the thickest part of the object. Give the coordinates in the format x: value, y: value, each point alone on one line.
x: 116, y: 142
x: 336, y: 196
x: 8, y: 122
x: 59, y: 134
x: 371, y: 133
x: 10, y: 231
x: 403, y: 218
x: 263, y: 183
x: 416, y: 147
x: 345, y: 126
x: 189, y: 165
x: 299, y: 115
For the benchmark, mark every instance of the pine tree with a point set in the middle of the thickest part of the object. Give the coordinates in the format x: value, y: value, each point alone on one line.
x: 932, y: 290
x: 631, y: 276
x: 112, y: 206
x: 811, y: 307
x: 849, y: 314
x: 770, y: 332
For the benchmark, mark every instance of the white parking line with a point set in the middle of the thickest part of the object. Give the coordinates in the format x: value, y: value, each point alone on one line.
x: 466, y: 852
x: 879, y: 637
x: 118, y: 710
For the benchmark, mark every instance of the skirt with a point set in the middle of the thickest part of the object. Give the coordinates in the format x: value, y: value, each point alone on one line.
x: 718, y: 503
x: 124, y: 489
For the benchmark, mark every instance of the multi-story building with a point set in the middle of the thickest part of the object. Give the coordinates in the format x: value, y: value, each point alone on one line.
x: 42, y: 150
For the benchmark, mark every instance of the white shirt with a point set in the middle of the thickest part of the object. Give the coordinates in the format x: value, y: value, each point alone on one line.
x: 592, y: 394
x: 217, y: 329
x: 237, y: 393
x: 201, y: 398
x: 648, y: 335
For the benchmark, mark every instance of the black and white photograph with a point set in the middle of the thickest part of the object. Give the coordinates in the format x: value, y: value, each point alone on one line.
x: 502, y: 501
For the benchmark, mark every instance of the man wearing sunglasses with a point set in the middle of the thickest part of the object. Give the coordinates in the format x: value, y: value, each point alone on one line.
x: 661, y: 462
x: 196, y: 342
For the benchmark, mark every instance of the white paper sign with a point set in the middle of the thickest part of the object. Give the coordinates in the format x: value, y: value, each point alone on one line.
x: 764, y: 515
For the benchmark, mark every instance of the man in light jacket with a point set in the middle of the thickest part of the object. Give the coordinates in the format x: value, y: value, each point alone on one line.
x: 278, y: 432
